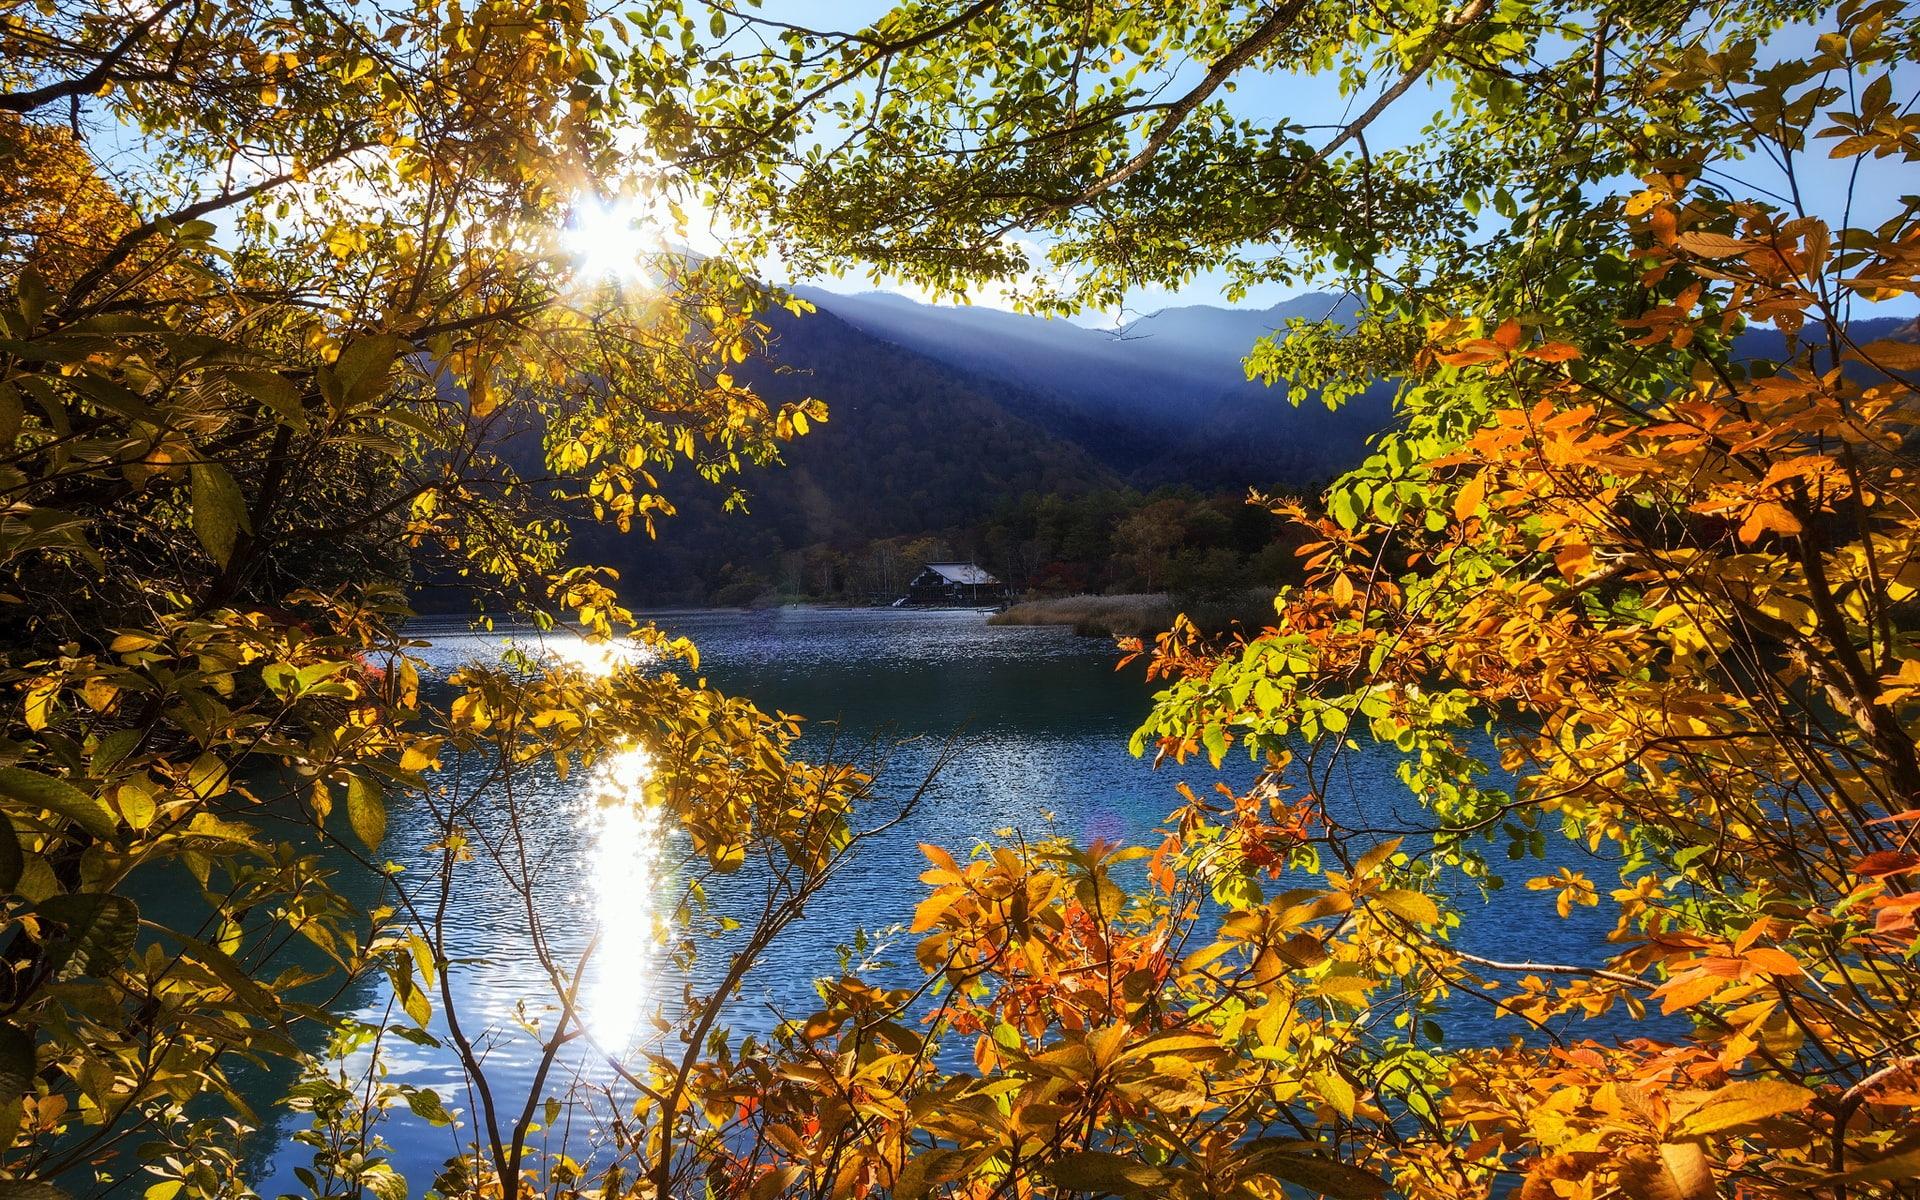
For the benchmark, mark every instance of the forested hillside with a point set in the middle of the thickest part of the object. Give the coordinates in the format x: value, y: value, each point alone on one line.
x: 1164, y: 398
x: 977, y: 433
x: 910, y: 447
x: 929, y: 442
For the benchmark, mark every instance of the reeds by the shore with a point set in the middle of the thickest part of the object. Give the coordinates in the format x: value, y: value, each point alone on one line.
x: 1139, y: 614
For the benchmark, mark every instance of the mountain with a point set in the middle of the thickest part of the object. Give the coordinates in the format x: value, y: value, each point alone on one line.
x: 942, y: 419
x: 1162, y: 399
x: 940, y: 415
x: 911, y: 446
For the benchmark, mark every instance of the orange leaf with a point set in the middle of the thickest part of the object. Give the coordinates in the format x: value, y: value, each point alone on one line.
x: 1768, y: 961
x: 1885, y: 862
x: 1768, y: 516
x: 1711, y: 245
x: 1467, y: 502
x: 1889, y: 355
x: 1686, y: 990
x: 1674, y: 1172
x: 939, y: 857
x: 1554, y: 352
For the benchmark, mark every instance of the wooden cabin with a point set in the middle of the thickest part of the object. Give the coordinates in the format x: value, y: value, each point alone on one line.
x: 958, y: 583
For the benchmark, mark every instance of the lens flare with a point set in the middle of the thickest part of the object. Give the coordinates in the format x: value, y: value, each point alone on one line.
x: 618, y: 241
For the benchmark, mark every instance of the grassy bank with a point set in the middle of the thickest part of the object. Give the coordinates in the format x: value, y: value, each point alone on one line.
x: 1138, y: 614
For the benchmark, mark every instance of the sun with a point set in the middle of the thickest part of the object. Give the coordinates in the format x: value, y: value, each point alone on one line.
x: 618, y: 240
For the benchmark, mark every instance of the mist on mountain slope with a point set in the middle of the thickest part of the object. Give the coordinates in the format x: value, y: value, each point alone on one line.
x: 1162, y: 399
x: 943, y: 417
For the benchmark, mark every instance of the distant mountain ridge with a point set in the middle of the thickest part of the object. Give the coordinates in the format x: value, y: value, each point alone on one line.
x: 911, y: 446
x: 1162, y: 399
x: 941, y: 415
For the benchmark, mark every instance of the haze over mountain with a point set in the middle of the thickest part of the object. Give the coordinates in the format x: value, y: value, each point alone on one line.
x: 938, y: 415
x: 1162, y: 399
x: 942, y: 415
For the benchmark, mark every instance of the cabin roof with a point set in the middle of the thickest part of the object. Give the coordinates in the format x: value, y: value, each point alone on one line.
x: 961, y: 573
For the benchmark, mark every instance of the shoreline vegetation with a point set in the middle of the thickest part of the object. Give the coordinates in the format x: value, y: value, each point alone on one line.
x: 1137, y: 614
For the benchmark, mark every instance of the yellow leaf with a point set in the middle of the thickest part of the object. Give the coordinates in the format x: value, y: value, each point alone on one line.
x: 1374, y: 857
x: 1411, y: 905
x: 1642, y: 203
x: 366, y: 811
x: 1351, y: 988
x: 1335, y: 1090
x: 40, y: 703
x: 98, y: 693
x: 1744, y: 1103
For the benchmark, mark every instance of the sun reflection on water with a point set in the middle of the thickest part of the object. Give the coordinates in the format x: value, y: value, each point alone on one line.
x: 593, y: 657
x: 626, y: 838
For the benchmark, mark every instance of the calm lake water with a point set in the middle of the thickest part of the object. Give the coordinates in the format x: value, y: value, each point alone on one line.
x: 1043, y: 719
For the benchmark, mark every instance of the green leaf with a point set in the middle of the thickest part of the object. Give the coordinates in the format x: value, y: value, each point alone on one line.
x: 243, y: 986
x: 97, y: 932
x: 385, y: 1182
x: 1107, y: 1174
x: 418, y: 1037
x: 1345, y: 507
x: 360, y: 373
x: 17, y: 1064
x: 427, y: 1105
x: 366, y: 810
x: 1214, y: 737
x: 11, y: 414
x: 33, y: 297
x: 275, y: 391
x: 219, y: 510
x: 57, y: 795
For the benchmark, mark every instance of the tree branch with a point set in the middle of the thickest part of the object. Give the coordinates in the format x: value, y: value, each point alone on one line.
x: 87, y: 84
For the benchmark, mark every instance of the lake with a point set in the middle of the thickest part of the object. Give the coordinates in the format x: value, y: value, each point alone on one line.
x: 1042, y: 719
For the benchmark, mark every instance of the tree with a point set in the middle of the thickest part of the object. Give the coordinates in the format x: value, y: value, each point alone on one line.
x: 1149, y: 538
x: 314, y: 338
x: 1672, y: 584
x: 1671, y: 579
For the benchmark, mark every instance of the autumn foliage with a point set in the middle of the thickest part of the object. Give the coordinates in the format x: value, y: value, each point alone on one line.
x: 1611, y: 584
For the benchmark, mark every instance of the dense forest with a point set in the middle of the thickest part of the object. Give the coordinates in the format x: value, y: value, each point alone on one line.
x: 1172, y: 539
x: 312, y: 314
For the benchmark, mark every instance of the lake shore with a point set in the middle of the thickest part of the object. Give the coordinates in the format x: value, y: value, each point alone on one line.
x: 1137, y: 614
